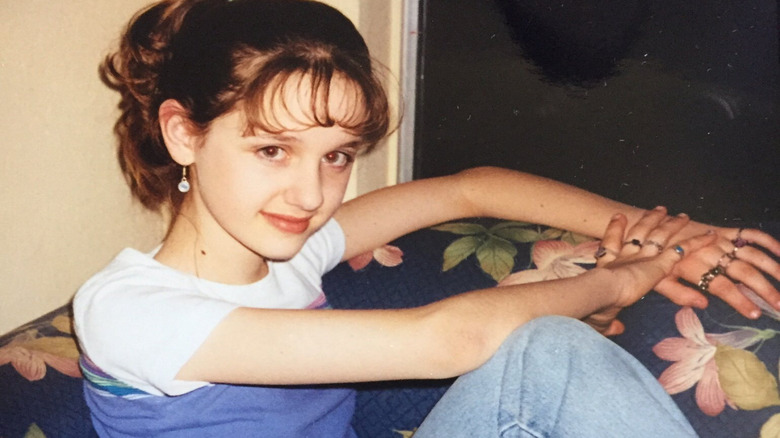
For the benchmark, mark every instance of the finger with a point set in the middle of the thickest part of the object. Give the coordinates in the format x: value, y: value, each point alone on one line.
x: 706, y: 268
x: 637, y: 233
x: 612, y: 241
x: 686, y: 248
x: 745, y: 265
x: 606, y: 324
x: 725, y: 289
x: 658, y: 237
x: 759, y: 260
x: 680, y: 294
x: 759, y: 238
x: 747, y: 274
x: 615, y: 328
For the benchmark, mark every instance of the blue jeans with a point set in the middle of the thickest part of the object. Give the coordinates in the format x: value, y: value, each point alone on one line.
x: 557, y: 377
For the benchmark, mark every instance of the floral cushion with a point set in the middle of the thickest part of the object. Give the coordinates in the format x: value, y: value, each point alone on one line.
x: 721, y: 367
x: 40, y: 382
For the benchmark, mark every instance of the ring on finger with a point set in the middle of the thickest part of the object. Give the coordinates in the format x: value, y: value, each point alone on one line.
x: 601, y: 252
x: 707, y: 277
x: 725, y: 260
x: 680, y: 251
x: 635, y: 242
x: 657, y: 245
x: 738, y: 241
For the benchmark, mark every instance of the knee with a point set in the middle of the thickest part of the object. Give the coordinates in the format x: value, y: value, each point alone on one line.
x: 556, y: 328
x: 558, y: 336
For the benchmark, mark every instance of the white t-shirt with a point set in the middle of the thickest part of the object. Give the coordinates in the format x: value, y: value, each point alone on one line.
x: 138, y: 322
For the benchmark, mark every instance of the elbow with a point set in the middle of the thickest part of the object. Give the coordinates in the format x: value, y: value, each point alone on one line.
x: 471, y: 187
x: 480, y: 172
x: 453, y: 345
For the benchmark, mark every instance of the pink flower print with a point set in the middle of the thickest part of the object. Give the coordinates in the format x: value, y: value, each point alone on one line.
x: 29, y: 355
x: 694, y: 357
x: 555, y: 259
x: 387, y: 255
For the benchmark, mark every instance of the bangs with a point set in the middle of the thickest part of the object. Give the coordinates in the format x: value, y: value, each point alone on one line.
x: 291, y: 91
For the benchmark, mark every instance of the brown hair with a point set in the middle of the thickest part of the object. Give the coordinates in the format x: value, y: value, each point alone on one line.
x: 213, y: 56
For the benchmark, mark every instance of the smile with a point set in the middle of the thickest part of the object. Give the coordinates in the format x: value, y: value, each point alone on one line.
x: 287, y: 224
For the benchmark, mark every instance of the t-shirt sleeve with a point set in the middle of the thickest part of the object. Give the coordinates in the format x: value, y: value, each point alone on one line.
x: 141, y: 330
x: 143, y: 335
x: 325, y: 248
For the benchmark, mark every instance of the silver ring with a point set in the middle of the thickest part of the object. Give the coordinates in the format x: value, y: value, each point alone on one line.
x: 707, y: 277
x: 680, y: 251
x: 657, y: 245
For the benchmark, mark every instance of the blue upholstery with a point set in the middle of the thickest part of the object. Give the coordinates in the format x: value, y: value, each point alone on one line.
x: 54, y: 405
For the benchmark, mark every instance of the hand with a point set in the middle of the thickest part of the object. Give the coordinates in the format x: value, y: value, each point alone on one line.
x: 640, y: 263
x: 748, y: 266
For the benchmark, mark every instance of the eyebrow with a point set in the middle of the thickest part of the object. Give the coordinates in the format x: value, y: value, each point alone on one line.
x: 354, y: 144
x: 270, y: 136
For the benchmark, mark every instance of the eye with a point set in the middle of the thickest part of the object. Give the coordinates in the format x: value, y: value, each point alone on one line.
x: 338, y: 159
x: 273, y: 153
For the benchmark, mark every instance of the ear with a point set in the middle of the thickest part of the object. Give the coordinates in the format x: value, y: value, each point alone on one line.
x: 178, y: 132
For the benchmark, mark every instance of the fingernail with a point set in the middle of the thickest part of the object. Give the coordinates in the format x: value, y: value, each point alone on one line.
x: 659, y: 208
x: 616, y: 217
x: 683, y: 215
x: 755, y: 314
x: 710, y: 232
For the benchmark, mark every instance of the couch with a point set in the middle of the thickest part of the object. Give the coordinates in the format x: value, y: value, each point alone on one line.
x: 41, y: 386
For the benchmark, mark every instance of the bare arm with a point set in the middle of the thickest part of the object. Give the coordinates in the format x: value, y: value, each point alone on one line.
x: 383, y: 215
x: 443, y: 339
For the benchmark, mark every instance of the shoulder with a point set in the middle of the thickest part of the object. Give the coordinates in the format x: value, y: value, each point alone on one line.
x: 323, y: 250
x: 139, y: 320
x: 131, y: 271
x: 133, y: 293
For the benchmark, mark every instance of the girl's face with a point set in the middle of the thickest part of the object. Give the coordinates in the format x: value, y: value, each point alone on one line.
x: 263, y: 193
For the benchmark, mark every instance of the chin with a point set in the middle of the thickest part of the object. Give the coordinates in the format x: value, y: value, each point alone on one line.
x: 280, y: 253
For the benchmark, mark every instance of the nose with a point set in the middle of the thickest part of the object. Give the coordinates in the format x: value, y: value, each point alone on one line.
x: 305, y: 190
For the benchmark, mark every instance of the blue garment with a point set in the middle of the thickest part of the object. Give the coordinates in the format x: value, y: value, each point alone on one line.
x: 556, y: 377
x: 139, y: 321
x: 227, y: 411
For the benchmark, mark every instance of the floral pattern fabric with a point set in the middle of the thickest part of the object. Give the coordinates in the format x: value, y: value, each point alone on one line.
x: 721, y: 369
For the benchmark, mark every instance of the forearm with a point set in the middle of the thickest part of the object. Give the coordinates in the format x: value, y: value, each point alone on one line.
x: 502, y: 193
x: 472, y: 326
x: 443, y: 339
x: 383, y: 215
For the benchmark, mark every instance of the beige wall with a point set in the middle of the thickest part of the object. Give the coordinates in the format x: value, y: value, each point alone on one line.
x: 65, y: 208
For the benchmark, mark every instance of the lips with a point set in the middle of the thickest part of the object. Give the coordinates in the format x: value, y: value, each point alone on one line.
x: 287, y: 224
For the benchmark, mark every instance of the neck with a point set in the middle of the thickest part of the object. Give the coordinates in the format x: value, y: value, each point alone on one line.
x: 188, y: 249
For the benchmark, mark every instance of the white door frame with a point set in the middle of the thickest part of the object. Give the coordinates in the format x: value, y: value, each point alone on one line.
x: 411, y: 19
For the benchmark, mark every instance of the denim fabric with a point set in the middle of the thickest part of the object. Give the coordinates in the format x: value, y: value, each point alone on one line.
x: 557, y: 377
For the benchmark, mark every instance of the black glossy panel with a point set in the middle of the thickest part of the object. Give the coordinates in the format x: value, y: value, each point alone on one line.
x: 645, y: 101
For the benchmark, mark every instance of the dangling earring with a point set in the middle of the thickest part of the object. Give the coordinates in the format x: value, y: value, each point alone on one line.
x: 184, y: 185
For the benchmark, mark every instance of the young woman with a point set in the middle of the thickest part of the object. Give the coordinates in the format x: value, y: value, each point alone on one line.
x: 241, y: 118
